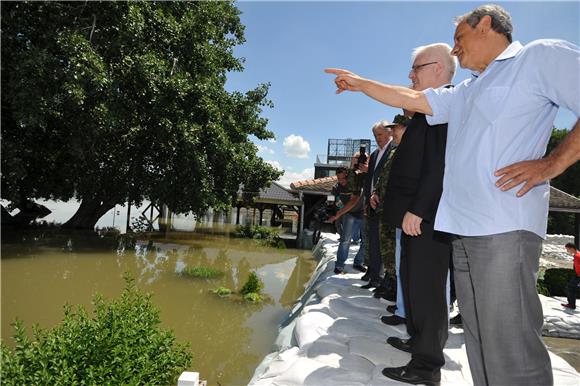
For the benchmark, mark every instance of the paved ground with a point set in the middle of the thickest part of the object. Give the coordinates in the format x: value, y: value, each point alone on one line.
x: 337, y: 338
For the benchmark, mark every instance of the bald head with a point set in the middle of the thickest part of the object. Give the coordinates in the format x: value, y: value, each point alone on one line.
x: 439, y: 52
x: 433, y: 66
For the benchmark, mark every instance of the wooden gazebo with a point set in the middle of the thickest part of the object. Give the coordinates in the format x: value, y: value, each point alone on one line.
x: 275, y: 197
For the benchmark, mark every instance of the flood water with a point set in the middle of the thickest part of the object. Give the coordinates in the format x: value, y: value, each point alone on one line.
x: 228, y: 338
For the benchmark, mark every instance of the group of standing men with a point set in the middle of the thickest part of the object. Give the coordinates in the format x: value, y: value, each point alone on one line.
x: 448, y: 186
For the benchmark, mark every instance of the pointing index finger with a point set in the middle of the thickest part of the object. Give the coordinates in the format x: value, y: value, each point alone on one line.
x: 336, y: 71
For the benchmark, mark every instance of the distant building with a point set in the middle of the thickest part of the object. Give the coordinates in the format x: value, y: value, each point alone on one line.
x: 339, y: 152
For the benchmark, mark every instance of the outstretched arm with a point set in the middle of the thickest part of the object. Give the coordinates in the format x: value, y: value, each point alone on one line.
x: 346, y: 208
x: 538, y: 171
x: 395, y: 96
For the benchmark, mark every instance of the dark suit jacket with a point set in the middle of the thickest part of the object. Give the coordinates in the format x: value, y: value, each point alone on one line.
x: 374, y: 173
x: 416, y: 178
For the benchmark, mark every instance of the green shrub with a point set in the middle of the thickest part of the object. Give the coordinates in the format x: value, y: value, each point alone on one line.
x: 252, y: 285
x: 202, y: 272
x: 120, y: 344
x: 556, y: 280
x: 253, y: 297
x: 222, y: 291
x: 542, y: 289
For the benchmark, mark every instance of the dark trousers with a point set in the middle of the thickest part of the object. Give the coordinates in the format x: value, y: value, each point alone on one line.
x: 375, y: 264
x: 424, y: 266
x: 572, y: 288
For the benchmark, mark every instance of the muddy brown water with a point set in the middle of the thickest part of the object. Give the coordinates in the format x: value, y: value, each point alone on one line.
x: 228, y: 338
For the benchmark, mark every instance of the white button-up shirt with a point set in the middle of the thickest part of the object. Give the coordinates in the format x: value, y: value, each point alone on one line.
x: 502, y: 116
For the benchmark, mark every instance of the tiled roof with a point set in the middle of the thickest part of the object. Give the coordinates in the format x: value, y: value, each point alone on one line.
x: 323, y: 184
x: 275, y: 194
x: 559, y: 200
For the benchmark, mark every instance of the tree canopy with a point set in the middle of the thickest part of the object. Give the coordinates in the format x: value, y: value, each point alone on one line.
x: 109, y: 101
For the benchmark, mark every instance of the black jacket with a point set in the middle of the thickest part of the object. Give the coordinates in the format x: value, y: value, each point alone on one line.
x: 416, y: 178
x: 374, y: 173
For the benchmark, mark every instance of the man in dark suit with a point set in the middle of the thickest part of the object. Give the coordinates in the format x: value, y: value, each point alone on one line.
x: 412, y: 194
x: 389, y: 238
x: 382, y: 132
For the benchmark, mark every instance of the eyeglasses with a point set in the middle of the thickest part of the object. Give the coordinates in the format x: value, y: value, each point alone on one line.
x: 418, y: 66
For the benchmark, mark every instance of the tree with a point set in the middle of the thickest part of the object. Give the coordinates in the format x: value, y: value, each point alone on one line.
x: 569, y: 182
x: 114, y: 101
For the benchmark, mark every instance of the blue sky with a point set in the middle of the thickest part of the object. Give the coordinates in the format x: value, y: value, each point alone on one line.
x: 290, y: 43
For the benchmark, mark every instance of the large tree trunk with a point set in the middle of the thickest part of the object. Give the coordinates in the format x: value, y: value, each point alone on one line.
x: 90, y: 211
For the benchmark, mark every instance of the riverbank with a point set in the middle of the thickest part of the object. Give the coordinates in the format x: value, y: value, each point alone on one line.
x: 334, y: 336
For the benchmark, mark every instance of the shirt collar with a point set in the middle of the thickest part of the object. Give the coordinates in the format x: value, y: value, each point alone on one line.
x: 386, y: 145
x: 510, y: 52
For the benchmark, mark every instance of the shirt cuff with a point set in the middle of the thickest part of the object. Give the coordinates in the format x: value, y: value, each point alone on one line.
x: 437, y: 117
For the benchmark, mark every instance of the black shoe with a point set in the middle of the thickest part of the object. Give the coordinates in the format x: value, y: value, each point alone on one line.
x: 392, y: 308
x: 386, y: 294
x: 359, y: 267
x: 407, y: 375
x: 393, y: 320
x: 366, y: 276
x: 380, y: 292
x: 380, y: 289
x: 390, y: 296
x: 338, y: 271
x: 400, y: 344
x: 456, y: 321
x: 370, y: 285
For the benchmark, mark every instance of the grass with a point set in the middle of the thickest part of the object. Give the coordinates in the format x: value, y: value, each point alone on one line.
x: 222, y: 291
x: 202, y: 272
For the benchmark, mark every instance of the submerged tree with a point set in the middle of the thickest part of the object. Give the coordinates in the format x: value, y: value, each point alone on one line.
x: 113, y: 101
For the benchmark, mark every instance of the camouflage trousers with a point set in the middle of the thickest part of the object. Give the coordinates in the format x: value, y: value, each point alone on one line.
x: 387, y: 235
x: 387, y: 247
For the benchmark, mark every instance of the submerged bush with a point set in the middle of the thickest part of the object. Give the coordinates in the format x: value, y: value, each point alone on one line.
x: 202, y: 272
x: 121, y: 343
x: 253, y: 297
x: 252, y: 285
x: 222, y: 291
x: 265, y: 236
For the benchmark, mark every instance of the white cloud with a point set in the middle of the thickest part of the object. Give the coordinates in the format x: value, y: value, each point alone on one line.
x: 290, y: 176
x: 296, y: 146
x: 265, y: 149
x: 276, y: 164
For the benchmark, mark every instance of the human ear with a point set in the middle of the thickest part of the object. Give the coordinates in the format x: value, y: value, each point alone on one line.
x: 484, y: 24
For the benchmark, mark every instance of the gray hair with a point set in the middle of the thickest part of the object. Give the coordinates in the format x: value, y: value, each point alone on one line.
x: 443, y: 52
x: 381, y: 125
x: 501, y: 21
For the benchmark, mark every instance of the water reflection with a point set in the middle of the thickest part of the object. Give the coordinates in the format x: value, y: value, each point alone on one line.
x: 228, y: 337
